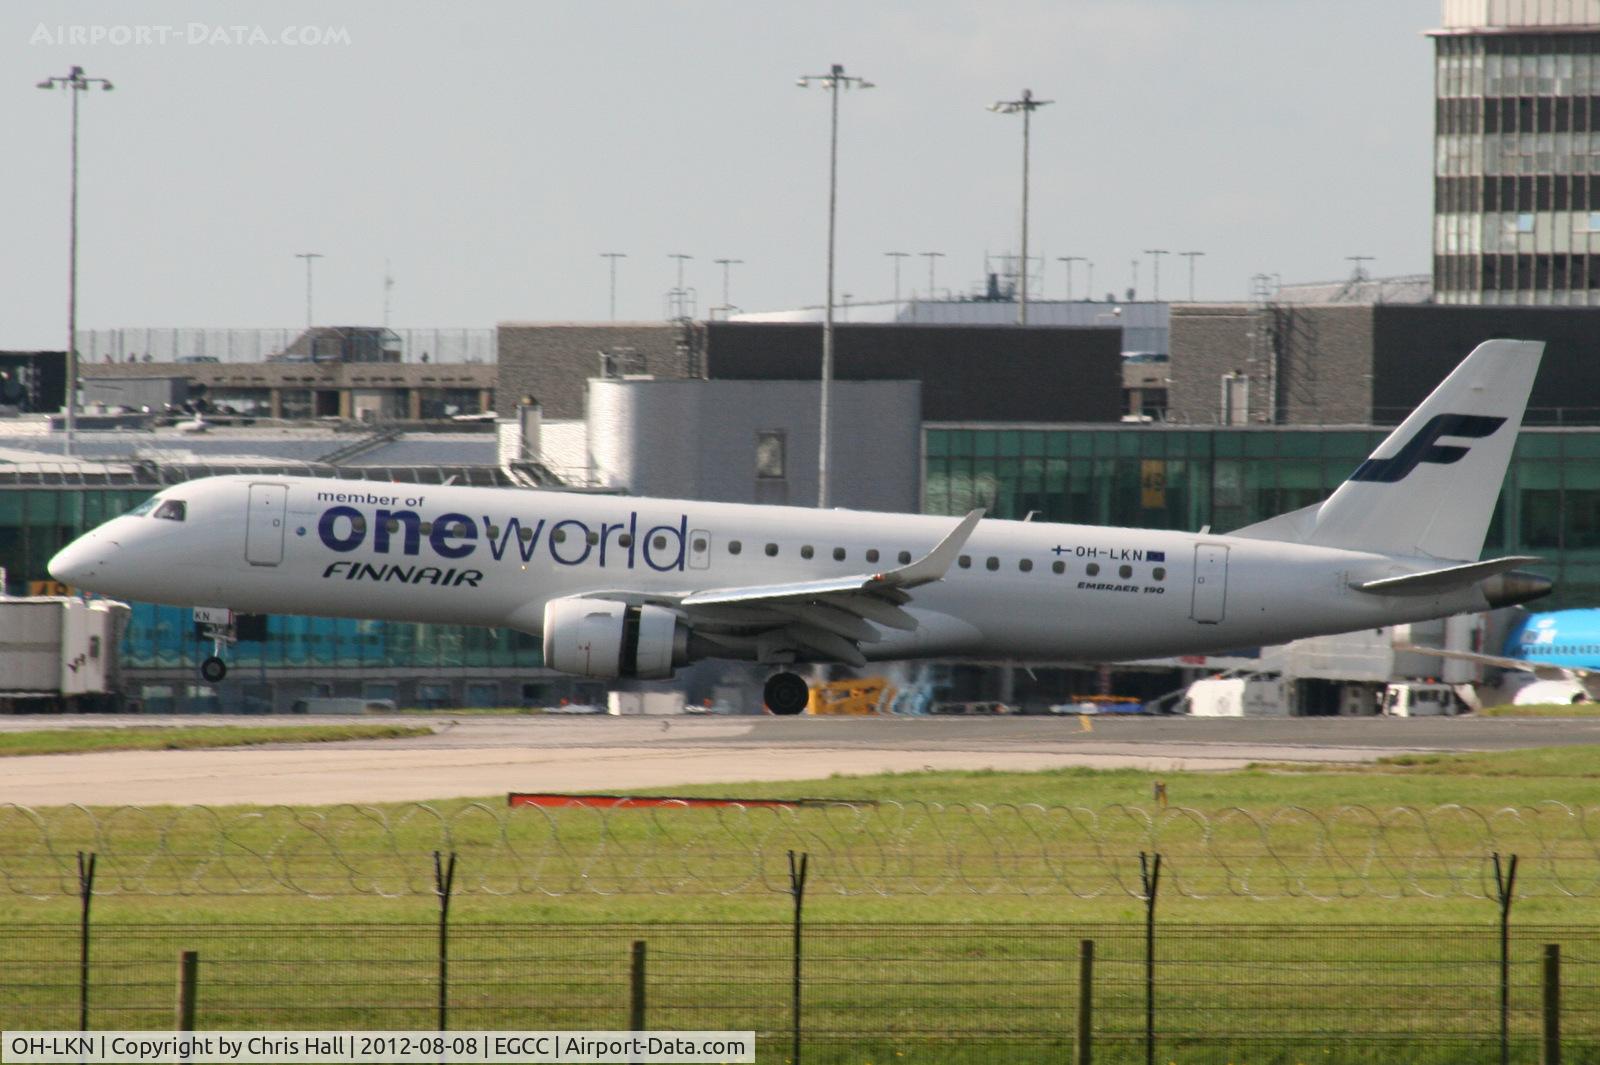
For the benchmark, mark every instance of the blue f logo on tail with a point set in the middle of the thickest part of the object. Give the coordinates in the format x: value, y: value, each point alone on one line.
x: 1423, y: 448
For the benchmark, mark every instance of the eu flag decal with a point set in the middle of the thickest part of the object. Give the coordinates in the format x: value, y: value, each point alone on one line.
x: 1155, y: 556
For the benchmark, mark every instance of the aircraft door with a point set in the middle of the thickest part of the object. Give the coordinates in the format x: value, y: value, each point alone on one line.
x: 263, y: 534
x: 1210, y: 583
x: 699, y: 549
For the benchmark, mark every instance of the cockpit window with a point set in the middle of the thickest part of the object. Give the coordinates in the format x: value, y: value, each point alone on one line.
x: 171, y: 510
x: 144, y: 508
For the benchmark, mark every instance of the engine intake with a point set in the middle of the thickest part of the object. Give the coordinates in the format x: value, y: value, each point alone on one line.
x: 604, y: 639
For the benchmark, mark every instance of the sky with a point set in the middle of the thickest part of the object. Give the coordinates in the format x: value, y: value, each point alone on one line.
x: 489, y: 152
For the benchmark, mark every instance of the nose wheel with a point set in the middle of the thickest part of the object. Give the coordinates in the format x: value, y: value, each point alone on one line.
x: 786, y: 693
x: 213, y: 670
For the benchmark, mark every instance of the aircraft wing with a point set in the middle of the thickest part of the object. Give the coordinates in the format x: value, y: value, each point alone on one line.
x: 1587, y: 679
x: 829, y: 618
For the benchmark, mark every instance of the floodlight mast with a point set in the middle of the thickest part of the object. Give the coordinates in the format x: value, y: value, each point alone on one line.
x: 75, y: 82
x: 1027, y: 105
x: 835, y: 81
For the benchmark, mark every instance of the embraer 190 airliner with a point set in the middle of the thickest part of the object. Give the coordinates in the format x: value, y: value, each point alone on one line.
x: 632, y: 587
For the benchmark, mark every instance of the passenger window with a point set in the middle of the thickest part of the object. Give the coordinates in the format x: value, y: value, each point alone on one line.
x: 394, y: 526
x: 1124, y: 572
x: 593, y: 537
x: 1058, y: 566
x: 992, y: 564
x: 838, y: 554
x: 872, y: 554
x: 734, y: 546
x: 559, y: 536
x: 905, y: 558
x: 772, y: 550
x: 965, y: 561
x: 171, y: 510
x: 806, y: 551
x: 1025, y: 565
x: 527, y: 534
x: 659, y: 543
x: 1159, y: 573
x: 1092, y: 569
x: 426, y: 528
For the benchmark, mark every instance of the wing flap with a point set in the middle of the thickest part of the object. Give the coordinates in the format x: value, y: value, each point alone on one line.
x: 829, y: 618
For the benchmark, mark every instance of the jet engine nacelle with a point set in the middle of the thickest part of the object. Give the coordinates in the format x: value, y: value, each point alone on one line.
x: 604, y: 639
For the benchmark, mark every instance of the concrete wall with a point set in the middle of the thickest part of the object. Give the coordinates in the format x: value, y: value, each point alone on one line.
x: 697, y: 440
x: 1418, y: 345
x: 553, y: 361
x: 968, y: 373
x: 1321, y: 375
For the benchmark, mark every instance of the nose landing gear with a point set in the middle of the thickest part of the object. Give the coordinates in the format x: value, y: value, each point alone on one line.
x: 786, y: 693
x: 213, y: 669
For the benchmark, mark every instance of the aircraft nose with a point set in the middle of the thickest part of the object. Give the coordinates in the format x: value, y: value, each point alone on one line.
x: 80, y: 562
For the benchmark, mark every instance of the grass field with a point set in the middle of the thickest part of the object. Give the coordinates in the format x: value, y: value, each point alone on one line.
x: 178, y: 738
x: 1408, y: 839
x: 942, y: 922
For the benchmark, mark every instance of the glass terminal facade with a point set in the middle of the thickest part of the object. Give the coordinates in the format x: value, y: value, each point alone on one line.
x: 1174, y: 478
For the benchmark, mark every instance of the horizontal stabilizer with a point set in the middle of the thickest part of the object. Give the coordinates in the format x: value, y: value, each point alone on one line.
x: 1450, y: 578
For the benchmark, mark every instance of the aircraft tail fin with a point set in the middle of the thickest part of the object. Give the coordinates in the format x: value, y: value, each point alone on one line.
x: 1430, y: 487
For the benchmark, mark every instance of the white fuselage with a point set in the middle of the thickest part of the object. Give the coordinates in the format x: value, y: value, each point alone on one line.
x: 494, y: 557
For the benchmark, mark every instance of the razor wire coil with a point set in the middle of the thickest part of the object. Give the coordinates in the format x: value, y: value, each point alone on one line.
x: 885, y: 849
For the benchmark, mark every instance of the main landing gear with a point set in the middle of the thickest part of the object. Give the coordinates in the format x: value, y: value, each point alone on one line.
x: 786, y: 693
x: 213, y: 670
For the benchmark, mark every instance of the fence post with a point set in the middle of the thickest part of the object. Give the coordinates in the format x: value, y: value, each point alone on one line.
x: 1083, y: 1038
x: 1150, y: 876
x: 636, y: 985
x: 85, y: 897
x: 1505, y: 881
x: 797, y: 890
x: 188, y: 979
x: 444, y: 878
x: 1550, y: 1033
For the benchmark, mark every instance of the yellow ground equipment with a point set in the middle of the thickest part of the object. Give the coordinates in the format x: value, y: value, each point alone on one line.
x: 852, y: 696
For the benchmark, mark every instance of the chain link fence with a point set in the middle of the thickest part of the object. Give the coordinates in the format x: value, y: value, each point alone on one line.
x: 871, y: 993
x: 885, y: 849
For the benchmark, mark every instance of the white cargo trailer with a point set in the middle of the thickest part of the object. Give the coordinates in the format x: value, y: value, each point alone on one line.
x: 59, y: 653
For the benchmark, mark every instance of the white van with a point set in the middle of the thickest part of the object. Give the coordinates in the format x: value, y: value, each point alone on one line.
x: 1419, y: 699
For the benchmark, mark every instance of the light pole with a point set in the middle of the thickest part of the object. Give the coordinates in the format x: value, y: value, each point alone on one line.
x: 932, y: 257
x: 1191, y: 256
x: 897, y: 256
x: 613, y: 256
x: 310, y: 257
x: 1069, y: 260
x: 835, y: 81
x: 75, y: 83
x: 678, y: 302
x: 1156, y: 254
x: 726, y: 264
x: 1027, y: 105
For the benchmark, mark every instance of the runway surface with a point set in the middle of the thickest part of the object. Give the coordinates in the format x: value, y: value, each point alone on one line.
x: 491, y: 755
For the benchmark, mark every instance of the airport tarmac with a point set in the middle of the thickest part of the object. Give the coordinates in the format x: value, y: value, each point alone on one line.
x: 491, y: 755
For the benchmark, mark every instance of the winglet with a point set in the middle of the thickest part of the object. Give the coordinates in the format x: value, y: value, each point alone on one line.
x: 936, y: 563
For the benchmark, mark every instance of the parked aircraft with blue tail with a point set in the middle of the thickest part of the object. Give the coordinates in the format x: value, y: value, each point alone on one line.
x: 1559, y: 648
